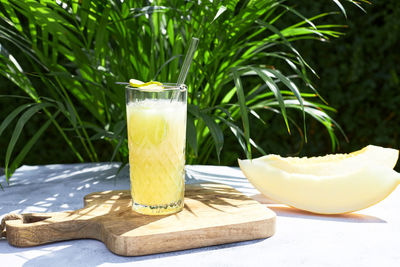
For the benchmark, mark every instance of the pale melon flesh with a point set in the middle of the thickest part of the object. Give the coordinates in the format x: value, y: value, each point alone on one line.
x: 331, y: 184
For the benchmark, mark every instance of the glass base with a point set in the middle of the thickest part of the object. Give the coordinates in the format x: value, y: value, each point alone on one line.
x: 158, y: 209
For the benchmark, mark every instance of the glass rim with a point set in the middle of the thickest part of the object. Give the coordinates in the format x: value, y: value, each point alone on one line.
x: 166, y: 87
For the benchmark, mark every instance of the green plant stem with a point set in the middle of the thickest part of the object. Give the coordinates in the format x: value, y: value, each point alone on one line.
x: 91, y: 153
x: 61, y: 131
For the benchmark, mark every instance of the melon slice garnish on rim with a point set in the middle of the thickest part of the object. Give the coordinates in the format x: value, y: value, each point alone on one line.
x: 148, y: 86
x: 330, y: 184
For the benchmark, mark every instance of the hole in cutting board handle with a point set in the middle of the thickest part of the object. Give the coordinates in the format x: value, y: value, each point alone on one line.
x: 32, y: 218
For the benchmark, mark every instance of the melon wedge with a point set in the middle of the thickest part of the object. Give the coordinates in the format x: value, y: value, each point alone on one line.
x: 331, y: 184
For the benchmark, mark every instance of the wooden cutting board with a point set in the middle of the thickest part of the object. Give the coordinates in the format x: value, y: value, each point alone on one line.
x: 213, y: 214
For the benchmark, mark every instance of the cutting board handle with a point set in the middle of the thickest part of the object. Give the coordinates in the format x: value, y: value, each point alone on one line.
x: 32, y: 229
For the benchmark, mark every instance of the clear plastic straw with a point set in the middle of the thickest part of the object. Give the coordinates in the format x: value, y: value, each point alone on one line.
x: 188, y: 60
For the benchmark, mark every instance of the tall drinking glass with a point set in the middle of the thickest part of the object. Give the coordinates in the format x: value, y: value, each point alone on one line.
x: 156, y: 140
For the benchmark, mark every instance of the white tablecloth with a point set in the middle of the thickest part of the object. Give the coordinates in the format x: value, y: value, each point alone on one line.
x: 370, y: 237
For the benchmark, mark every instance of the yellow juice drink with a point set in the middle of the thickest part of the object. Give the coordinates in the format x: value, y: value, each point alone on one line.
x: 156, y: 138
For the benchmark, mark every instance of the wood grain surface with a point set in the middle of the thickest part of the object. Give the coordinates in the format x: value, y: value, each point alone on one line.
x: 213, y: 214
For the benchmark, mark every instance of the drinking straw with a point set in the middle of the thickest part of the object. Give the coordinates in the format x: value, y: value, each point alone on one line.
x: 188, y: 60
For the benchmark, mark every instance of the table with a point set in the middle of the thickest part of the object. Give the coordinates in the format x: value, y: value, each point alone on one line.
x: 370, y: 237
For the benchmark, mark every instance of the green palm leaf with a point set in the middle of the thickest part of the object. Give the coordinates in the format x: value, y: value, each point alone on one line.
x: 67, y: 57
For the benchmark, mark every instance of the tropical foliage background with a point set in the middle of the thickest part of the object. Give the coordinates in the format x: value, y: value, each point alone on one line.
x: 253, y: 85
